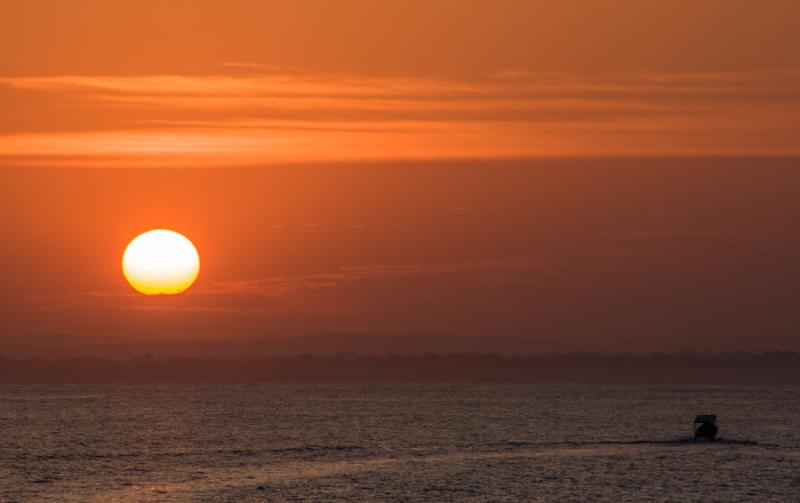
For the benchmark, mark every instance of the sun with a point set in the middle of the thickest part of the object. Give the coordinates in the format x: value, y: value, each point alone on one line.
x: 160, y: 262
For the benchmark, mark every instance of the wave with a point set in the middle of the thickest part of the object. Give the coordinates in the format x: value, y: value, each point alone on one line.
x: 317, y: 448
x: 80, y: 455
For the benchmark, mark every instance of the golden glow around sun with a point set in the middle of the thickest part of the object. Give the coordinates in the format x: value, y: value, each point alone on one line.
x: 160, y: 262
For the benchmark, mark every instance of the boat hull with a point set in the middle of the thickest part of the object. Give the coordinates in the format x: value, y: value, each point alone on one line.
x: 705, y: 431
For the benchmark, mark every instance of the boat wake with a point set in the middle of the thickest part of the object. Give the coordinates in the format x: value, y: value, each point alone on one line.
x: 668, y: 442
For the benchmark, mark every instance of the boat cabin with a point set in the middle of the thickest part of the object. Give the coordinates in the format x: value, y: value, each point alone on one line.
x: 705, y: 427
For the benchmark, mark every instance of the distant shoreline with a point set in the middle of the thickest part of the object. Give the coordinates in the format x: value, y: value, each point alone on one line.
x: 755, y: 368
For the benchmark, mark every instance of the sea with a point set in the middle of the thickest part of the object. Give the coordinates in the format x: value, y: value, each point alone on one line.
x: 396, y: 442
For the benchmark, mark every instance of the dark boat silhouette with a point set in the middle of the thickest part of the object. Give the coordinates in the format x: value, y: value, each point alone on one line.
x: 705, y: 427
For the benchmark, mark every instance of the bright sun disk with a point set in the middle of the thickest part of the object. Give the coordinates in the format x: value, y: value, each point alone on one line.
x: 160, y: 262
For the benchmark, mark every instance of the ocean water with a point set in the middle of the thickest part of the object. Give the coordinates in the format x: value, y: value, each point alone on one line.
x: 416, y: 442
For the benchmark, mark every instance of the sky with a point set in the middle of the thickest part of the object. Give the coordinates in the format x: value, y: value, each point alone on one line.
x: 602, y: 174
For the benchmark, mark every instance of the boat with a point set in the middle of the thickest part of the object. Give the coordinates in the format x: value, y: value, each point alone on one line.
x: 705, y: 427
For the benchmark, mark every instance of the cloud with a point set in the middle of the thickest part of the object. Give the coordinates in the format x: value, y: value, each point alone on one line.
x: 292, y: 285
x: 295, y: 294
x: 257, y: 117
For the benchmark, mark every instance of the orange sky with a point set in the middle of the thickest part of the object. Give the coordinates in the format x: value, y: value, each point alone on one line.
x: 252, y: 82
x: 579, y: 170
